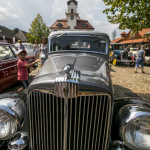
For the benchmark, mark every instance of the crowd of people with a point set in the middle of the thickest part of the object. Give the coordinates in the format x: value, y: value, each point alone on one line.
x: 41, y: 55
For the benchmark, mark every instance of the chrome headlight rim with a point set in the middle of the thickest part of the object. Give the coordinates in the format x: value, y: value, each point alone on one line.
x: 12, y: 111
x: 126, y: 122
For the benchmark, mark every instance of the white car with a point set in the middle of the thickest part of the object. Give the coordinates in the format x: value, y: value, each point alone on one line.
x: 147, y: 57
x: 134, y: 51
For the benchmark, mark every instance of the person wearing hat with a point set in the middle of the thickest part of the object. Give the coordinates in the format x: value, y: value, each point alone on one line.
x: 21, y: 45
x: 128, y: 48
x: 140, y: 59
x: 23, y: 69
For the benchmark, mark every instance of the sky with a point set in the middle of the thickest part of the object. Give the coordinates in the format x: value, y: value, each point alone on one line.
x: 21, y: 13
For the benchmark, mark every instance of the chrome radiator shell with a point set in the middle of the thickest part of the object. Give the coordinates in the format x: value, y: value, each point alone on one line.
x: 88, y: 121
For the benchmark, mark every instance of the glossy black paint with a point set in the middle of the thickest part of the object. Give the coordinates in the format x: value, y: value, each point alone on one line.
x: 120, y: 103
x: 94, y: 72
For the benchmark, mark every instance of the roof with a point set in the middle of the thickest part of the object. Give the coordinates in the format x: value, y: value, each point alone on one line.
x: 21, y: 35
x: 5, y: 32
x: 96, y: 33
x: 64, y: 22
x: 144, y: 31
x: 116, y: 40
x: 123, y: 33
x: 134, y: 41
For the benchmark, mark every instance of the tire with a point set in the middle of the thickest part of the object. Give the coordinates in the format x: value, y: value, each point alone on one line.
x: 114, y: 62
x: 132, y: 63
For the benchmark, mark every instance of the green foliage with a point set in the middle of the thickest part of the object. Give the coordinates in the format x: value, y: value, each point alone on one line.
x: 129, y: 14
x: 16, y: 30
x: 12, y: 31
x: 38, y: 30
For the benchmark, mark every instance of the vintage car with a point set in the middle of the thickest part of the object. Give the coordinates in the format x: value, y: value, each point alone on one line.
x: 70, y: 103
x: 119, y: 55
x: 8, y: 65
x: 147, y: 57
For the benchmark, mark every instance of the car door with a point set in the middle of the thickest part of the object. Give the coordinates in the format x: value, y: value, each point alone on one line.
x: 10, y: 65
x: 2, y: 76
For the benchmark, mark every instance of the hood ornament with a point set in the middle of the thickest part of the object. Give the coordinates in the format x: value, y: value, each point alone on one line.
x: 67, y: 82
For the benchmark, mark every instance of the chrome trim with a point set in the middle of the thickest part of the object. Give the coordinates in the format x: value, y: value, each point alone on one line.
x: 67, y: 82
x: 118, y: 145
x: 127, y: 114
x: 8, y: 67
x: 16, y: 108
x: 19, y: 141
x: 73, y: 104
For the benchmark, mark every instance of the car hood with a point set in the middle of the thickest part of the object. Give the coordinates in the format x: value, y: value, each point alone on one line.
x: 94, y: 72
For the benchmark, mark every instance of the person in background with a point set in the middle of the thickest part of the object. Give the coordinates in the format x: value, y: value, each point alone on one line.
x: 23, y: 69
x: 36, y: 49
x: 21, y: 45
x: 140, y: 59
x: 128, y: 48
x: 147, y: 48
x: 139, y: 48
x: 43, y: 51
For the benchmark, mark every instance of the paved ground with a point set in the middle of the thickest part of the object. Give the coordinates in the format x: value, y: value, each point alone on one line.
x: 128, y: 83
x: 125, y: 81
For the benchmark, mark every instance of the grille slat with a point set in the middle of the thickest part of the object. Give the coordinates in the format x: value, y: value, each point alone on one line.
x: 87, y: 122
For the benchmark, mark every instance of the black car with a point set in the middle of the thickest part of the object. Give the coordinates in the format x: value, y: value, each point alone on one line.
x: 119, y: 54
x: 70, y: 103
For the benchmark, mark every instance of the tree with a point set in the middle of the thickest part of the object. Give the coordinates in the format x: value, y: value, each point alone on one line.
x: 129, y: 14
x: 114, y: 34
x: 38, y: 30
x: 16, y: 30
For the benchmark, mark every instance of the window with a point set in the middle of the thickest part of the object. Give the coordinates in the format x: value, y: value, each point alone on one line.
x: 6, y: 53
x: 84, y: 24
x: 87, y: 43
x: 71, y: 17
x: 14, y: 50
x: 72, y: 11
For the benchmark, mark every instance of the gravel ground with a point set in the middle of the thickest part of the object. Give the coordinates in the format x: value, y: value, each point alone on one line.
x: 126, y: 82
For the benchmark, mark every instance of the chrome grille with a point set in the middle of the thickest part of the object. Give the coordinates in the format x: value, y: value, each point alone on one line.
x: 88, y: 122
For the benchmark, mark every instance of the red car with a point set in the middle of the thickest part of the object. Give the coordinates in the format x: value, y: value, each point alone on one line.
x: 8, y: 65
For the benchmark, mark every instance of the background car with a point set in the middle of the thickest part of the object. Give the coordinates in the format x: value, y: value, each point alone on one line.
x: 134, y: 51
x: 119, y: 55
x: 147, y: 57
x: 8, y: 65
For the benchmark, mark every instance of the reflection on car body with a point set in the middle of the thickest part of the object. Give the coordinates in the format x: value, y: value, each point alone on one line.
x: 70, y: 103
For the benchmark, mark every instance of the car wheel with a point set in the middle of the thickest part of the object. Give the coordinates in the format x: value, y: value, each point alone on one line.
x: 114, y: 62
x: 132, y: 63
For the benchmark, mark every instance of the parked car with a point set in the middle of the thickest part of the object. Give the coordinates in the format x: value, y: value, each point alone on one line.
x: 70, y: 103
x: 8, y: 65
x: 147, y: 57
x: 119, y: 55
x: 134, y: 51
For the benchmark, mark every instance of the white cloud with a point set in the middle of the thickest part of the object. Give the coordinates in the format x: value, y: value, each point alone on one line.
x: 1, y: 17
x: 8, y: 14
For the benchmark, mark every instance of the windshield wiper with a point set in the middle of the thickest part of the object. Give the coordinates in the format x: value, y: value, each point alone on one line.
x: 58, y: 36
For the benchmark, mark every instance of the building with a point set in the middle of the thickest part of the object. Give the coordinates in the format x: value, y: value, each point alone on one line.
x: 134, y: 40
x: 7, y: 34
x: 73, y: 21
x: 21, y: 35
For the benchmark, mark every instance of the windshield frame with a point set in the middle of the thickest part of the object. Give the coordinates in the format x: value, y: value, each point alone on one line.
x: 107, y: 44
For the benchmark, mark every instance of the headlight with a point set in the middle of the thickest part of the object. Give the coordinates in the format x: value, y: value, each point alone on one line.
x: 134, y: 126
x: 8, y: 125
x: 116, y: 55
x: 12, y: 115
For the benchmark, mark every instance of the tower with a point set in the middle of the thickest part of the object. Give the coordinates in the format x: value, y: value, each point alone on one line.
x: 72, y: 13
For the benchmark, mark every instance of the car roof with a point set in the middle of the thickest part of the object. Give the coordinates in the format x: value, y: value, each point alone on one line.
x: 3, y: 43
x: 117, y: 44
x: 96, y: 33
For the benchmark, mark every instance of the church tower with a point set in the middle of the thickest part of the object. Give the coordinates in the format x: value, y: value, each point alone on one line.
x: 72, y: 13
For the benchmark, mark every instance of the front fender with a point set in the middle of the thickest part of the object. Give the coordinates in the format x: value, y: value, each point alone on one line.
x: 119, y: 103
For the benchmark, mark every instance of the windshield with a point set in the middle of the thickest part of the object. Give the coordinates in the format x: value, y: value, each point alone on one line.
x: 135, y: 49
x: 147, y: 53
x: 118, y: 47
x: 87, y: 43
